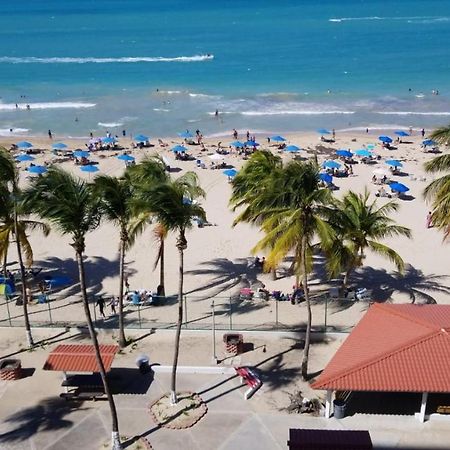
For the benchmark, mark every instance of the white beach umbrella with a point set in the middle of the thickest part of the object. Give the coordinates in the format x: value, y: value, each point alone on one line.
x: 216, y: 157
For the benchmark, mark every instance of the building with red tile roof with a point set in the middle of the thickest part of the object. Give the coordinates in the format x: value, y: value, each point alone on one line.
x: 394, y: 348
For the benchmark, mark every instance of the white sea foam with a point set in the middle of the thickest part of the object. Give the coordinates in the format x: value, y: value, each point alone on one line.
x: 8, y: 132
x: 413, y: 19
x: 414, y: 113
x: 199, y: 95
x: 373, y: 127
x: 46, y: 105
x: 298, y: 112
x: 123, y: 59
x: 161, y: 109
x: 110, y: 124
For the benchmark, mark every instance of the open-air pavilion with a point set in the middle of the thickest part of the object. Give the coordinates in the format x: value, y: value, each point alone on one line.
x: 398, y: 356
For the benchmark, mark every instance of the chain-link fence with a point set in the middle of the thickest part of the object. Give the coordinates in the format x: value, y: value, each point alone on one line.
x: 199, y: 313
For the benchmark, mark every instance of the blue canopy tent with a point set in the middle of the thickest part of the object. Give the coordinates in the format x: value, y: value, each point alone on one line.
x: 394, y: 163
x: 331, y: 164
x: 292, y: 149
x: 399, y: 187
x: 59, y: 146
x: 23, y: 158
x: 39, y: 170
x: 179, y: 148
x: 364, y: 153
x: 108, y: 140
x: 237, y: 144
x: 323, y: 131
x: 401, y: 133
x: 89, y: 168
x: 277, y: 138
x: 385, y: 139
x: 326, y: 177
x: 344, y: 153
x: 24, y: 144
x: 428, y: 143
x: 81, y: 154
x: 141, y: 138
x: 230, y: 172
x: 251, y: 144
x: 126, y: 158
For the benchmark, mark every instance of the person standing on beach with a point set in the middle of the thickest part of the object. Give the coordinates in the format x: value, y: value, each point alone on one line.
x: 50, y: 136
x: 235, y: 133
x: 423, y: 132
x: 113, y: 303
x: 334, y: 133
x: 429, y: 221
x: 101, y: 306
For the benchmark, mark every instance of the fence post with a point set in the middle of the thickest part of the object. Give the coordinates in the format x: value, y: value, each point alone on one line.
x: 185, y: 312
x: 326, y: 312
x: 231, y: 313
x: 49, y: 310
x: 276, y: 313
x: 9, y: 313
x: 95, y: 312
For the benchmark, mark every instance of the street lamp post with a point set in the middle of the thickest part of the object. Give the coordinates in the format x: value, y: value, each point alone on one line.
x: 214, y: 359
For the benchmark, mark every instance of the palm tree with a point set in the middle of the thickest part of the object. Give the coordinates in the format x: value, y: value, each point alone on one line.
x: 115, y: 202
x: 14, y: 222
x: 441, y: 135
x: 439, y: 190
x: 359, y: 224
x: 160, y: 234
x: 288, y: 205
x: 173, y: 203
x: 69, y: 204
x: 150, y: 172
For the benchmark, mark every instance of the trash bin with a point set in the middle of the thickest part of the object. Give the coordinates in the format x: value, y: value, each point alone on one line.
x: 143, y: 364
x: 339, y: 409
x: 234, y: 343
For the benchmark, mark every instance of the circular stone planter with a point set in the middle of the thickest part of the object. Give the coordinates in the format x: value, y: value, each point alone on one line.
x: 185, y: 414
x: 10, y: 369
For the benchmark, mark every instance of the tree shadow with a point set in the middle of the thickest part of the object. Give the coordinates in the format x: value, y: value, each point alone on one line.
x: 48, y: 415
x: 414, y: 283
x: 225, y: 274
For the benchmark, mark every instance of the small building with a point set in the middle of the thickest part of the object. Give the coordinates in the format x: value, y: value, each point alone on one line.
x: 395, y: 350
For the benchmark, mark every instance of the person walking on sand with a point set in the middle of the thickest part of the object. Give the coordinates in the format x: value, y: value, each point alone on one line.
x: 101, y: 306
x: 429, y: 220
x: 113, y: 303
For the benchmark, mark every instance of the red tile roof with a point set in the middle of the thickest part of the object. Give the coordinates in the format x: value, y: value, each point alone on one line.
x: 304, y: 439
x: 79, y: 358
x: 394, y: 348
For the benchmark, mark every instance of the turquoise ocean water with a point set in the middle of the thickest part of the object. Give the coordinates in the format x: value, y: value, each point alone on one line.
x: 162, y: 66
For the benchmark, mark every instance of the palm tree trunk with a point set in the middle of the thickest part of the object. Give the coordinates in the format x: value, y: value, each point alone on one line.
x: 181, y: 245
x: 122, y: 338
x: 304, y: 366
x: 347, y: 276
x: 161, y: 269
x: 24, y: 282
x: 5, y: 261
x: 115, y: 437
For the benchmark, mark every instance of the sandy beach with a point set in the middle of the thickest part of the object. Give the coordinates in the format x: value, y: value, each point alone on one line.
x: 218, y: 255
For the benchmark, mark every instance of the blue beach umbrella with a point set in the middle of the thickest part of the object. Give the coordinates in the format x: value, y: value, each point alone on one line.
x: 277, y: 138
x: 292, y: 149
x: 399, y: 187
x: 126, y: 158
x: 24, y: 144
x: 230, y: 172
x: 81, y: 154
x: 326, y: 177
x: 179, y: 148
x: 108, y: 140
x: 385, y: 139
x: 331, y: 164
x: 394, y: 163
x: 237, y: 144
x: 364, y: 153
x: 141, y: 138
x: 401, y: 133
x: 37, y: 169
x: 428, y: 142
x: 59, y: 146
x: 344, y: 153
x: 323, y: 131
x: 23, y: 158
x: 251, y: 144
x: 185, y: 134
x: 89, y: 168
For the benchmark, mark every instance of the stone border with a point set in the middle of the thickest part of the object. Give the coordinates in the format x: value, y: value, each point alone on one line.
x: 202, y: 405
